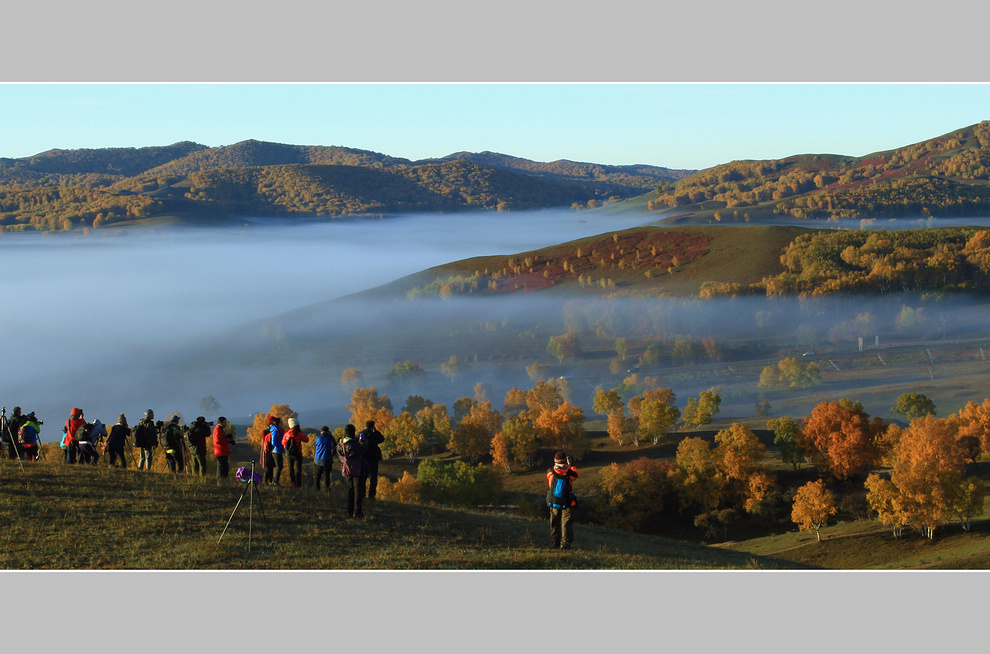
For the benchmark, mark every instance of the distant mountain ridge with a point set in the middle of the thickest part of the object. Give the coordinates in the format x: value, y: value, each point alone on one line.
x: 66, y: 189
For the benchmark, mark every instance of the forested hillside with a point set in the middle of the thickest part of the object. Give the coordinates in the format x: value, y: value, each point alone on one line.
x: 943, y: 176
x: 68, y: 189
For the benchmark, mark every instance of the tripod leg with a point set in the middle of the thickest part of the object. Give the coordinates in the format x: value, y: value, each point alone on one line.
x: 231, y: 516
x: 264, y: 517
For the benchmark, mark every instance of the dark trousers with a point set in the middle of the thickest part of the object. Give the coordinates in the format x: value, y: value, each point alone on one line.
x: 321, y: 472
x: 174, y: 461
x: 114, y: 455
x: 561, y: 528
x: 71, y: 452
x: 279, y: 458
x: 223, y: 467
x: 87, y: 453
x: 372, y: 478
x: 295, y: 470
x: 355, y: 495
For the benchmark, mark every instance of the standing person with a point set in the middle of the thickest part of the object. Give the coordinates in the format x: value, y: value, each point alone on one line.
x: 371, y: 438
x: 116, y: 441
x: 171, y: 437
x: 93, y: 435
x: 561, y: 500
x: 146, y: 438
x: 292, y: 441
x: 10, y: 433
x: 74, y: 427
x: 354, y: 468
x: 221, y: 448
x: 199, y: 431
x: 326, y: 445
x: 277, y: 448
x: 27, y: 436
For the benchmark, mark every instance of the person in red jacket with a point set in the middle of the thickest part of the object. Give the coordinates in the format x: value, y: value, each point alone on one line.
x: 73, y: 428
x: 561, y: 500
x: 292, y: 442
x: 221, y: 448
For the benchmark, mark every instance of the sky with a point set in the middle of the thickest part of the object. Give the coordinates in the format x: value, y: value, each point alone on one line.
x: 675, y: 125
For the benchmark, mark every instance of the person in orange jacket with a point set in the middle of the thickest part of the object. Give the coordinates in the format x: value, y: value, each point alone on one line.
x: 561, y: 500
x: 221, y: 448
x: 73, y: 428
x: 292, y: 441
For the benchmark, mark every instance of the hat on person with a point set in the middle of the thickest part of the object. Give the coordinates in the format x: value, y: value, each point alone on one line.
x: 293, y: 423
x: 560, y: 458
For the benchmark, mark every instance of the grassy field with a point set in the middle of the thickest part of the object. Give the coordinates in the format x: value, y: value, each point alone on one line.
x: 74, y: 517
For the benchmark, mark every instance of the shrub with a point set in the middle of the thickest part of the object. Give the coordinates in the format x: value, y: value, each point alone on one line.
x: 459, y: 483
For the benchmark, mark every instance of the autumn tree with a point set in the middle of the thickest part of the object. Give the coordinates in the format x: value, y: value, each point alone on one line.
x: 405, y: 372
x: 454, y: 367
x: 562, y: 428
x: 515, y: 402
x: 621, y: 428
x: 697, y: 476
x: 515, y: 445
x: 434, y: 424
x: 482, y: 391
x: 975, y: 422
x: 738, y: 455
x: 604, y: 402
x: 785, y: 437
x: 699, y: 411
x: 565, y: 346
x: 790, y: 373
x: 635, y: 493
x: 840, y: 439
x: 656, y: 414
x: 403, y: 435
x: 366, y: 405
x: 350, y: 378
x: 913, y: 405
x: 473, y: 436
x: 416, y: 403
x: 813, y: 506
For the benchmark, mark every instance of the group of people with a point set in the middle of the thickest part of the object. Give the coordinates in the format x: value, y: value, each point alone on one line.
x: 359, y: 455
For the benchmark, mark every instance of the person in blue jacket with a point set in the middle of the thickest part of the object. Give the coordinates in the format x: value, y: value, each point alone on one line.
x: 326, y: 446
x: 276, y: 448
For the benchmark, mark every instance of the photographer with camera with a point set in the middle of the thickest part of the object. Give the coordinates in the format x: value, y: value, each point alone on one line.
x: 146, y: 439
x: 221, y: 448
x: 199, y: 431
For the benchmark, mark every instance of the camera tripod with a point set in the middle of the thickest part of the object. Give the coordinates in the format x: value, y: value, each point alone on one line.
x: 250, y: 489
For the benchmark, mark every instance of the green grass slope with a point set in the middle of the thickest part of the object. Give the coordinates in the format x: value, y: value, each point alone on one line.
x: 62, y: 517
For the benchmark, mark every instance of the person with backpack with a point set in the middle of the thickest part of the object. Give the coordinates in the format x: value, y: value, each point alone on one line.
x: 561, y: 500
x: 146, y: 438
x: 72, y: 431
x: 371, y: 438
x: 325, y: 447
x: 11, y: 429
x: 354, y: 468
x: 221, y: 448
x: 172, y: 441
x: 27, y: 436
x: 116, y: 441
x: 292, y: 440
x: 199, y: 431
x: 92, y: 436
x: 276, y: 451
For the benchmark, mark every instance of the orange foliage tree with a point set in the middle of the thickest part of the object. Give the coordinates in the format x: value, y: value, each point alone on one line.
x: 813, y: 506
x: 259, y: 427
x: 840, y: 438
x: 473, y: 436
x: 634, y: 493
x: 563, y: 428
x: 366, y: 405
x: 403, y: 435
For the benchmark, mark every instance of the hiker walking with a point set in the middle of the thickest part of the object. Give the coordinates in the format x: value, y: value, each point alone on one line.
x: 73, y: 429
x: 371, y: 438
x: 171, y: 437
x: 146, y: 438
x: 325, y: 447
x: 293, y: 440
x: 561, y: 500
x: 199, y: 431
x: 119, y: 434
x: 354, y: 468
x: 221, y: 448
x: 277, y: 450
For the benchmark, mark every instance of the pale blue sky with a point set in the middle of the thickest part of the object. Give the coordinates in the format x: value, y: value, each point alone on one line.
x: 664, y: 124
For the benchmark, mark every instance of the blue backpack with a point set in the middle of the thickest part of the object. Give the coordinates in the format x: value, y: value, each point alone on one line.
x: 560, y: 496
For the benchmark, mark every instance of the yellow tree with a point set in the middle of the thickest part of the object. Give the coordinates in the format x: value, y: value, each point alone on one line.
x: 404, y: 435
x: 697, y: 474
x: 500, y: 451
x: 738, y: 454
x: 434, y: 424
x: 657, y: 414
x: 473, y: 436
x: 621, y: 427
x: 604, y: 402
x: 813, y: 506
x: 350, y: 378
x: 515, y: 402
x: 519, y: 442
x: 367, y: 405
x: 634, y: 493
x: 563, y: 428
